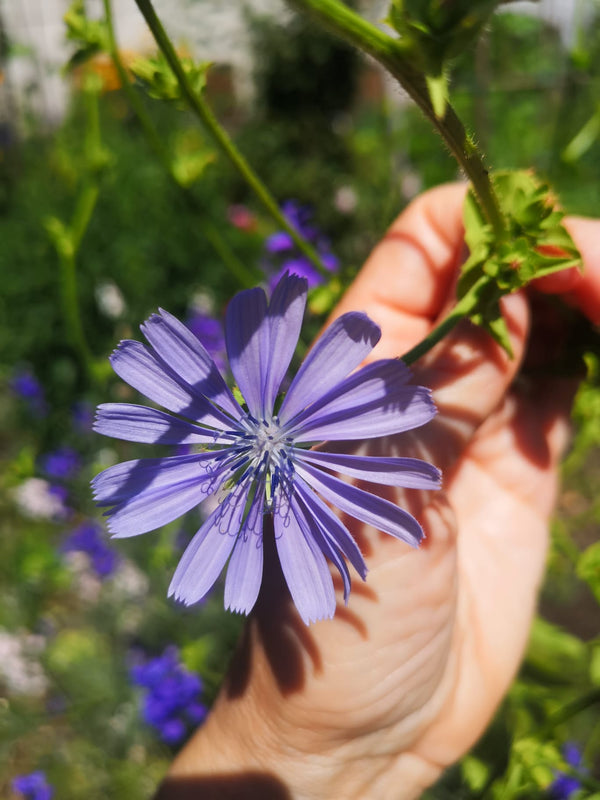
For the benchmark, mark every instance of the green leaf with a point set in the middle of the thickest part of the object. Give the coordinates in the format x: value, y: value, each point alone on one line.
x: 556, y: 654
x: 588, y: 568
x: 91, y: 35
x: 475, y: 772
x: 540, y: 760
x: 438, y: 93
x: 581, y: 143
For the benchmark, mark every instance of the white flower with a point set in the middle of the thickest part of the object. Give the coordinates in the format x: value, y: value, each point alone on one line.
x: 110, y: 300
x: 36, y: 500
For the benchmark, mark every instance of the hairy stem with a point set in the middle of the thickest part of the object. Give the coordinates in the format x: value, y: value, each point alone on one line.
x: 390, y: 53
x: 465, y: 306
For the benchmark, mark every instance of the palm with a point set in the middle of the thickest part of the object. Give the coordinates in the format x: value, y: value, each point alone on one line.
x: 426, y: 648
x: 403, y: 680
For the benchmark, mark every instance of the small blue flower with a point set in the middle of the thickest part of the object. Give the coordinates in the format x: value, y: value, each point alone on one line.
x: 285, y: 257
x: 89, y: 538
x: 62, y: 463
x: 172, y: 695
x: 26, y: 386
x: 33, y: 786
x: 82, y: 414
x: 209, y: 331
x: 256, y: 460
x: 565, y: 785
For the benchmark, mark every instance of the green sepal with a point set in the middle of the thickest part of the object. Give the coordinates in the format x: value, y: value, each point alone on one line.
x: 536, y: 244
x: 160, y: 81
x: 434, y: 32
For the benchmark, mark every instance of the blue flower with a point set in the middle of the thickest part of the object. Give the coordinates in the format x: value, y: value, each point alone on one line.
x: 87, y: 538
x: 565, y: 785
x: 171, y: 700
x: 256, y: 460
x: 26, y: 386
x: 82, y: 415
x: 209, y: 331
x: 61, y: 463
x: 33, y: 786
x: 285, y: 257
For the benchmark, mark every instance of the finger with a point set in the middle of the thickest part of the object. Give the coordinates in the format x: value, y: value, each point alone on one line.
x: 502, y: 495
x: 580, y: 289
x: 408, y: 279
x: 469, y: 374
x: 405, y: 285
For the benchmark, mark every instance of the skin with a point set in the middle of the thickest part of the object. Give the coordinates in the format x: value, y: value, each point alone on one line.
x: 378, y: 701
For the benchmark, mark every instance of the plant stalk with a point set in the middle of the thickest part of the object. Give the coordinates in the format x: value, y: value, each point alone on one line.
x: 203, y: 111
x: 351, y: 27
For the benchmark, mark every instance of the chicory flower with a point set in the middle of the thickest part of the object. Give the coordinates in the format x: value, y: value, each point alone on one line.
x: 255, y: 458
x: 33, y: 786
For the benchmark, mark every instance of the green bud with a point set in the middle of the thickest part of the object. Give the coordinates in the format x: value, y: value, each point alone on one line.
x: 160, y: 81
x: 90, y: 36
x: 536, y: 244
x: 436, y: 31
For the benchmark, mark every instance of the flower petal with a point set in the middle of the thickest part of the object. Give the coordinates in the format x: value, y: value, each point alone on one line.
x: 135, y: 423
x: 367, y: 507
x: 177, y: 346
x: 331, y: 526
x: 304, y: 567
x: 149, y: 493
x: 345, y: 343
x: 245, y: 568
x: 312, y: 529
x: 411, y: 473
x: 284, y: 317
x: 372, y: 402
x: 141, y: 368
x: 246, y: 337
x: 207, y: 553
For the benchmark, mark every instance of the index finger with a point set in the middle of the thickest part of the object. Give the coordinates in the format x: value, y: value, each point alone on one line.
x: 579, y: 289
x: 407, y: 281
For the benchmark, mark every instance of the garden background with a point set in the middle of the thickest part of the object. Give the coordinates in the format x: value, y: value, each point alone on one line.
x: 94, y: 659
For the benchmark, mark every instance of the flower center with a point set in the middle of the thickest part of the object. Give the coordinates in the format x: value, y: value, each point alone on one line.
x: 269, y: 454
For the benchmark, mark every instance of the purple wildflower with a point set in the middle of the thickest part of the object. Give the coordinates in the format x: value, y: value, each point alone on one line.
x: 88, y: 538
x: 62, y: 463
x: 82, y: 415
x: 171, y: 700
x: 285, y: 257
x: 26, y: 386
x: 209, y: 331
x: 565, y: 785
x: 33, y: 786
x: 256, y: 460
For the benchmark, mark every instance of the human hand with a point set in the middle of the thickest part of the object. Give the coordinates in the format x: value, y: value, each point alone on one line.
x: 376, y: 702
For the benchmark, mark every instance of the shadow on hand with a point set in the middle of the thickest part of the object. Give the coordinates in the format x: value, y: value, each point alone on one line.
x: 275, y: 626
x: 245, y: 786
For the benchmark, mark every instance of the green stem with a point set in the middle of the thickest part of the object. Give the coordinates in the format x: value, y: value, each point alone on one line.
x: 236, y: 267
x: 465, y: 306
x: 82, y: 215
x: 68, y: 243
x: 70, y: 302
x: 570, y: 710
x: 204, y: 113
x: 132, y: 96
x: 391, y: 54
